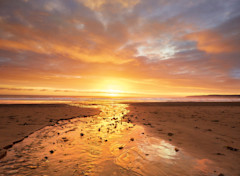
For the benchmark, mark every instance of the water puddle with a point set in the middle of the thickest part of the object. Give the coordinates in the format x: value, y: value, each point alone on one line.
x: 106, y: 144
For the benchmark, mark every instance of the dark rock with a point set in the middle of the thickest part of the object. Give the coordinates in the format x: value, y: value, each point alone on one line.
x: 81, y: 134
x: 176, y: 149
x: 221, y: 174
x: 147, y: 124
x: 46, y: 157
x: 65, y: 139
x: 51, y: 151
x: 120, y: 148
x: 170, y: 134
x: 231, y: 148
x: 215, y: 121
x: 132, y: 139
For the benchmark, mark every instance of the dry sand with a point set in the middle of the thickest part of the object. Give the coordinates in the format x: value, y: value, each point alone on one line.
x: 205, y: 130
x: 18, y: 121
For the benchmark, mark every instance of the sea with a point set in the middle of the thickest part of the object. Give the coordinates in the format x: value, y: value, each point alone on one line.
x: 46, y: 99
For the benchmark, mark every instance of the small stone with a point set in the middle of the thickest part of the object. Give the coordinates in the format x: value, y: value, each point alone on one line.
x: 64, y: 139
x: 221, y: 174
x: 120, y: 148
x: 106, y: 140
x: 51, y: 151
x: 46, y: 157
x: 176, y: 149
x: 231, y: 148
x: 132, y: 139
x: 81, y: 134
x: 170, y: 134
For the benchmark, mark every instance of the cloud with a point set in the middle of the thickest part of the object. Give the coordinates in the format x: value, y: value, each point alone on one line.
x: 164, y: 44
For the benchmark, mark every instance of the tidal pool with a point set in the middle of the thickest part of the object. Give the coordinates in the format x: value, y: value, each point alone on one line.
x: 105, y: 144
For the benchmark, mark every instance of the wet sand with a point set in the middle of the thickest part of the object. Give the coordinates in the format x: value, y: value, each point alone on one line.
x: 20, y: 120
x: 136, y: 139
x: 206, y: 130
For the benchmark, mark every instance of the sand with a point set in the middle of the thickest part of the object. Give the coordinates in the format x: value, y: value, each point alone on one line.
x: 18, y: 121
x: 205, y: 130
x: 123, y: 139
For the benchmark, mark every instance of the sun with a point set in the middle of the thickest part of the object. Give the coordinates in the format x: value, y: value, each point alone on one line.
x: 113, y: 92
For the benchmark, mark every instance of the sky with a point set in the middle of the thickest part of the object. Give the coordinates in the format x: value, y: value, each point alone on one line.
x: 120, y: 47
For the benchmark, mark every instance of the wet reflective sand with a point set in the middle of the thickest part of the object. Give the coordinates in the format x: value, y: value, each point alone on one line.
x: 106, y: 144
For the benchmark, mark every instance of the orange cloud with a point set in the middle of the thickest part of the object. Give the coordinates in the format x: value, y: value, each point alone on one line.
x: 213, y: 42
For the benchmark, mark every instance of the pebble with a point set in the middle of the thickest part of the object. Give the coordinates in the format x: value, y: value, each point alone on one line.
x: 231, y: 148
x: 51, y: 151
x: 170, y: 134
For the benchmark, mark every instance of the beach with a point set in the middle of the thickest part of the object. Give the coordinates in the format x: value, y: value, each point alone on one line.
x: 206, y: 130
x: 184, y: 138
x: 17, y: 121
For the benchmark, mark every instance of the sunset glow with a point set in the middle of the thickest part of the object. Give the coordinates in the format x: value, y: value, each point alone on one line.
x: 119, y: 48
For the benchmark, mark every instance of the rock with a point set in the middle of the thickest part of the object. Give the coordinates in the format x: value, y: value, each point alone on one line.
x: 120, y: 148
x: 170, y: 134
x: 81, y: 134
x: 46, y: 157
x: 147, y: 124
x: 231, y: 148
x: 176, y: 149
x: 65, y: 139
x: 132, y: 139
x: 221, y: 174
x: 51, y: 151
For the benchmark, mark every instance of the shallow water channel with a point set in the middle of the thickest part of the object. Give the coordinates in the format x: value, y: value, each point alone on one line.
x: 105, y: 144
